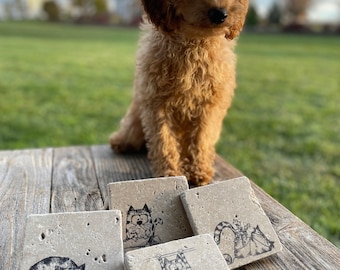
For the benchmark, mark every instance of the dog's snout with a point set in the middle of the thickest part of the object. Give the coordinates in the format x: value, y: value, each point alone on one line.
x: 217, y: 15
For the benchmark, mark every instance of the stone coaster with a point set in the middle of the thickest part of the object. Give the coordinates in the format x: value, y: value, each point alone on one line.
x: 231, y: 213
x: 79, y: 241
x: 193, y: 253
x: 152, y: 212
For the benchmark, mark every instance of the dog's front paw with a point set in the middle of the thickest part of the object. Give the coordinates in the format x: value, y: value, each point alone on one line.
x: 199, y: 176
x: 196, y: 181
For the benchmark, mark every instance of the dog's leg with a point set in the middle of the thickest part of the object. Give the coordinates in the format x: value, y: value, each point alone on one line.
x: 130, y: 136
x: 162, y: 145
x: 200, y: 154
x: 198, y: 161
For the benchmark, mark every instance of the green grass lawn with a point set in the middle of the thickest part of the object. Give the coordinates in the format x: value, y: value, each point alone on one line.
x: 66, y: 85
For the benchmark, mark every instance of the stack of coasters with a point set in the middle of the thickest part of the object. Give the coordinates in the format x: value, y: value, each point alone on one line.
x: 80, y: 240
x: 197, y: 252
x: 230, y: 212
x: 152, y: 212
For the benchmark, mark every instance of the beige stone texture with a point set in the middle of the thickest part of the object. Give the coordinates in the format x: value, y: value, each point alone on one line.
x: 78, y: 240
x: 230, y: 212
x: 194, y: 253
x: 152, y: 212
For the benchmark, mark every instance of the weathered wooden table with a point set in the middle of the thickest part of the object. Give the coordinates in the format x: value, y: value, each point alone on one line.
x: 75, y: 178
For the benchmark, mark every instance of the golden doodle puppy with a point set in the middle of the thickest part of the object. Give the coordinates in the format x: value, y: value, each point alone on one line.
x: 184, y: 84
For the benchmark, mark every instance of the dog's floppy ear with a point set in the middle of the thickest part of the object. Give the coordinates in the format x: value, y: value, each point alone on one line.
x: 162, y: 14
x: 239, y: 14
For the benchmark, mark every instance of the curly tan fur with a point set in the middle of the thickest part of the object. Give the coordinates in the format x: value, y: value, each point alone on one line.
x: 184, y: 84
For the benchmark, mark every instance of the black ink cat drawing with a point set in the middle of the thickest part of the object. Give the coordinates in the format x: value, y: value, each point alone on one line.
x: 57, y: 263
x: 140, y: 227
x: 178, y: 263
x: 247, y: 241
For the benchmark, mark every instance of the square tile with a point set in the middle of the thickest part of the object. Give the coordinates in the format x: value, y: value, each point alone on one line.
x: 230, y: 212
x: 78, y: 240
x: 152, y: 212
x: 193, y: 253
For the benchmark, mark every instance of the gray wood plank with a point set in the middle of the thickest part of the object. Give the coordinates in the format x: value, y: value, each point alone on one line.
x: 303, y: 247
x: 25, y: 185
x: 74, y: 182
x: 79, y: 177
x: 224, y: 171
x: 111, y: 167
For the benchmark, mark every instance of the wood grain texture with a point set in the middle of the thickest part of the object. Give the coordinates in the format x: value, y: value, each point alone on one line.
x: 224, y: 171
x: 75, y: 179
x: 111, y: 167
x: 25, y: 185
x: 74, y: 182
x: 303, y: 247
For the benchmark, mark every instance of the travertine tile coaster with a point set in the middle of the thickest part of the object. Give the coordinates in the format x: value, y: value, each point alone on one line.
x: 193, y: 253
x: 152, y: 212
x: 231, y: 213
x: 79, y: 241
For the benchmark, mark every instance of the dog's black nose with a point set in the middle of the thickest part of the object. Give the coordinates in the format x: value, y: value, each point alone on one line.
x: 217, y: 15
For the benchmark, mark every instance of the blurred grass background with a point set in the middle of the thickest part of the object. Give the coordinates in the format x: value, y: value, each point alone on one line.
x: 63, y: 85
